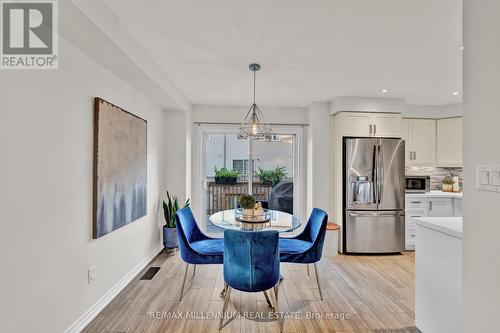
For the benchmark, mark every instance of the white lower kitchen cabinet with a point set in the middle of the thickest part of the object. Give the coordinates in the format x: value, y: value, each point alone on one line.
x: 431, y: 204
x: 457, y: 207
x: 440, y: 207
x: 414, y: 208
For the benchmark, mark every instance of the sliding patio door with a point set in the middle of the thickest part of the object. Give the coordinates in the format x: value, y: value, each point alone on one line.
x: 221, y: 148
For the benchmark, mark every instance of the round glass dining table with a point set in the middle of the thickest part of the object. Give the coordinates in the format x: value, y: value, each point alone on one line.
x: 280, y: 221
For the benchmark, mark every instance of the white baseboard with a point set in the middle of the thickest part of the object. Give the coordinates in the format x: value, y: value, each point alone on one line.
x: 95, y: 309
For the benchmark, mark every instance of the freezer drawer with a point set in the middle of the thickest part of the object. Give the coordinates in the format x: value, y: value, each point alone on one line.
x: 375, y: 232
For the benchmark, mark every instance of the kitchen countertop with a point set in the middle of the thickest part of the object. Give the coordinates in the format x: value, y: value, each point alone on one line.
x: 447, y: 225
x: 436, y: 194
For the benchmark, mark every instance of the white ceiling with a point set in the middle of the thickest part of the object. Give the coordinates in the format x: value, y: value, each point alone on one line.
x: 312, y: 50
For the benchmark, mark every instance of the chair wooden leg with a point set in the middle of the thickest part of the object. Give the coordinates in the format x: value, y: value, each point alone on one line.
x: 277, y: 309
x: 226, y: 302
x: 194, y: 270
x: 184, y: 281
x: 317, y: 280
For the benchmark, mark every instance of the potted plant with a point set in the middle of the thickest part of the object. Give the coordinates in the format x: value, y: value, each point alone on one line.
x: 247, y: 203
x: 271, y: 176
x: 265, y: 176
x: 225, y: 176
x: 170, y: 207
x: 448, y: 184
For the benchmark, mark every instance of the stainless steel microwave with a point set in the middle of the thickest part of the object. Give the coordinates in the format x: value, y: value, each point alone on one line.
x: 417, y: 184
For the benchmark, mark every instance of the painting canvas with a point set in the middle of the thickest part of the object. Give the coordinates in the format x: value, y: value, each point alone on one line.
x: 120, y: 167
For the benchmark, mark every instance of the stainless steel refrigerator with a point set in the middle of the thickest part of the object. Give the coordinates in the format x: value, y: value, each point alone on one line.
x: 374, y: 195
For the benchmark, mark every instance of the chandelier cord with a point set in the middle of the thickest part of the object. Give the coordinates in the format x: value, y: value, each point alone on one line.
x: 254, y: 72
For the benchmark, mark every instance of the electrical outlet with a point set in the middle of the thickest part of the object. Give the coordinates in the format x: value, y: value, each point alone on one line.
x: 91, y: 274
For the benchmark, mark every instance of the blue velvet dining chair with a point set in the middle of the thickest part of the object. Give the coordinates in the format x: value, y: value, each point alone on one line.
x: 251, y: 264
x: 196, y: 248
x: 307, y: 247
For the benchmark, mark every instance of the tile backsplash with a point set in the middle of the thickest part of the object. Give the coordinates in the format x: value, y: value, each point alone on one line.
x: 437, y: 174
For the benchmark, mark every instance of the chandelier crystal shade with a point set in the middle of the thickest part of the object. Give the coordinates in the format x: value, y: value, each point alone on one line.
x: 254, y: 125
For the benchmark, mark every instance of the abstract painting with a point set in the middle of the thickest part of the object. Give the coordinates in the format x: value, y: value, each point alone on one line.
x: 120, y: 167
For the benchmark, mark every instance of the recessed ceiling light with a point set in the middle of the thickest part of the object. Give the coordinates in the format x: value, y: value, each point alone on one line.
x: 456, y: 93
x: 461, y: 47
x: 385, y: 91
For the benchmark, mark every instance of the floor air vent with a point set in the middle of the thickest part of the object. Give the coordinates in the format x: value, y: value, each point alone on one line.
x: 150, y: 273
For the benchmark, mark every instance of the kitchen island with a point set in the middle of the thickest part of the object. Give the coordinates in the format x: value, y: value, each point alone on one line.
x: 438, y: 270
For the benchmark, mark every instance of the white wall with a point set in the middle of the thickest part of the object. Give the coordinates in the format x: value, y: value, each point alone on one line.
x: 189, y: 151
x: 433, y: 111
x: 394, y: 105
x: 481, y: 126
x: 177, y: 153
x: 319, y: 152
x: 46, y: 140
x: 235, y: 114
x: 367, y: 104
x: 108, y: 41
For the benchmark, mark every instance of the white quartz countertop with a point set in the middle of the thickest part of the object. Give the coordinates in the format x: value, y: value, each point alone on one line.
x: 447, y: 225
x: 436, y: 194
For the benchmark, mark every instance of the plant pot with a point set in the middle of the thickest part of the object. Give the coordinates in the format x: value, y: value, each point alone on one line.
x: 447, y: 187
x: 170, y: 237
x: 225, y: 180
x: 266, y: 182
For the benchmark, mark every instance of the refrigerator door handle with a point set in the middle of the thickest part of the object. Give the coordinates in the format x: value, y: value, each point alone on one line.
x: 374, y: 175
x: 380, y: 178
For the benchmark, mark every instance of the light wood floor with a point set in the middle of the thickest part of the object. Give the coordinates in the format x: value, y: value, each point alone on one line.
x: 375, y: 292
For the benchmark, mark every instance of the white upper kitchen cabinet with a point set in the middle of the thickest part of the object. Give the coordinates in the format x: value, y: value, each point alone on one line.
x: 420, y: 137
x: 354, y: 123
x: 405, y: 135
x: 370, y: 124
x: 387, y: 125
x: 450, y: 142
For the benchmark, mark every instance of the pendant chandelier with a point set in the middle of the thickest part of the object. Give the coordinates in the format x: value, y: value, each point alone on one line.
x: 254, y: 125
